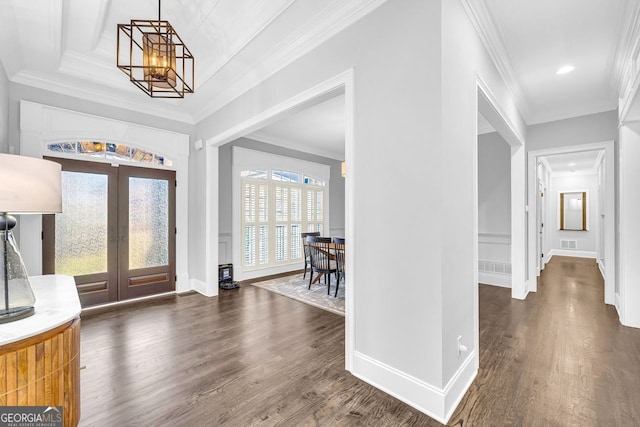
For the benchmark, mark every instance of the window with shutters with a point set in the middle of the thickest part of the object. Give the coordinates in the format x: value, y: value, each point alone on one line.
x: 277, y: 206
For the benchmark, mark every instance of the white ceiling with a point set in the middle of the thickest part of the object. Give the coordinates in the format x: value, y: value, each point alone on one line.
x: 530, y: 40
x: 572, y: 162
x: 318, y: 130
x: 69, y: 46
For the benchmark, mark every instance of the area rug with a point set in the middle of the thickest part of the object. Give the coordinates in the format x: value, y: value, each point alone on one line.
x: 295, y: 287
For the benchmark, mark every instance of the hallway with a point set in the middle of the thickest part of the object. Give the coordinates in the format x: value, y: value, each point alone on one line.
x: 559, y: 358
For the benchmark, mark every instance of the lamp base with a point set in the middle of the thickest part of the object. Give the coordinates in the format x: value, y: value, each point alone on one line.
x: 16, y: 313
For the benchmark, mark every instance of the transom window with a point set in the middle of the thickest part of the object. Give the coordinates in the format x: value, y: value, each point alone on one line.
x: 277, y: 206
x: 108, y: 150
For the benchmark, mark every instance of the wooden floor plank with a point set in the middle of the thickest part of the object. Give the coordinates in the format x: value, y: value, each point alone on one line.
x: 251, y: 357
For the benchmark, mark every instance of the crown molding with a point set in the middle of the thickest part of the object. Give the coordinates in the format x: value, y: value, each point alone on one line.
x: 627, y: 45
x: 101, y: 95
x: 321, y: 28
x: 334, y: 18
x: 494, y: 42
x: 10, y: 50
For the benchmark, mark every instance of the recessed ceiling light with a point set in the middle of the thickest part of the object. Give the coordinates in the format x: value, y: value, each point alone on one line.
x: 572, y: 164
x: 565, y: 69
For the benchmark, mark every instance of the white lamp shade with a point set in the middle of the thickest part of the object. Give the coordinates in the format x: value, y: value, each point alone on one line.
x: 29, y: 185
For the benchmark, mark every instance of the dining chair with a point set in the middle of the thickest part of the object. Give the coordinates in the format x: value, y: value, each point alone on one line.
x: 338, y: 242
x: 305, y: 246
x: 321, y: 259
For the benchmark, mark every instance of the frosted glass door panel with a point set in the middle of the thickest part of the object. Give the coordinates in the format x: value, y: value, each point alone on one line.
x: 81, y: 228
x: 148, y: 222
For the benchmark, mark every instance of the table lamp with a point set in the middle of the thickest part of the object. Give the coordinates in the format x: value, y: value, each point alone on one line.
x: 29, y: 186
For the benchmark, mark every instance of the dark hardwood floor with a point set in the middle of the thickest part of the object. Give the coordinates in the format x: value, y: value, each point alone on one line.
x: 248, y: 357
x: 251, y: 357
x: 559, y: 358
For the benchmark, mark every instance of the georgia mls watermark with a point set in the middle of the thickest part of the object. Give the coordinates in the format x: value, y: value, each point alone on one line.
x: 31, y: 416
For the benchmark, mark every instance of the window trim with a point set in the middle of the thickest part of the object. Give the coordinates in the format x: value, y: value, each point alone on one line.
x: 247, y: 159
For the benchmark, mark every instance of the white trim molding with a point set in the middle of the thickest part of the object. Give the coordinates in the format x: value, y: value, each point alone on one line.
x: 493, y: 41
x: 438, y: 403
x: 491, y: 110
x: 568, y: 252
x: 42, y: 124
x: 248, y: 159
x: 502, y: 280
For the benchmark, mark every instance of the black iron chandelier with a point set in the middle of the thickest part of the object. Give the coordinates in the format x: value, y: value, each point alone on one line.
x: 157, y: 61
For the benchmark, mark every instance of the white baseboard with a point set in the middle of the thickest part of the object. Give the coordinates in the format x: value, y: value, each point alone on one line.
x: 532, y: 285
x: 495, y: 279
x: 564, y: 252
x: 617, y: 305
x: 183, y: 284
x: 202, y: 288
x: 435, y: 402
x: 601, y: 267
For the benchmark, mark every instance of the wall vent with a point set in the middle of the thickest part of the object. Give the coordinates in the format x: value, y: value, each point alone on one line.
x: 494, y: 267
x: 569, y: 244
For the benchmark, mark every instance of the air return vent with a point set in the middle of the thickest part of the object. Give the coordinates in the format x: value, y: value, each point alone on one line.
x: 494, y: 267
x: 569, y: 244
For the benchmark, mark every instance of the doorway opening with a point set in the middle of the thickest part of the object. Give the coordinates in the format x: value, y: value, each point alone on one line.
x: 508, y: 246
x: 586, y: 172
x: 339, y: 84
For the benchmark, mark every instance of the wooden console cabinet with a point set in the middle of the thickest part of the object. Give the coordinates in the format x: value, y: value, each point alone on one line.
x: 40, y: 355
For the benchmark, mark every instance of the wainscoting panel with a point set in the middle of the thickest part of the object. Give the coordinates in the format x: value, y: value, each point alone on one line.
x: 337, y: 232
x: 565, y: 252
x: 494, y: 259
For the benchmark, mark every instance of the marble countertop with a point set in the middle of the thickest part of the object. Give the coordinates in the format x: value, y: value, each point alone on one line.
x: 57, y: 303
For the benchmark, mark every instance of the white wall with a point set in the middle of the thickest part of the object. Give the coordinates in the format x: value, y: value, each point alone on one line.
x: 464, y: 60
x: 415, y: 66
x: 494, y: 186
x: 4, y: 111
x: 587, y: 129
x: 396, y: 125
x: 18, y: 92
x: 494, y: 210
x: 586, y: 240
